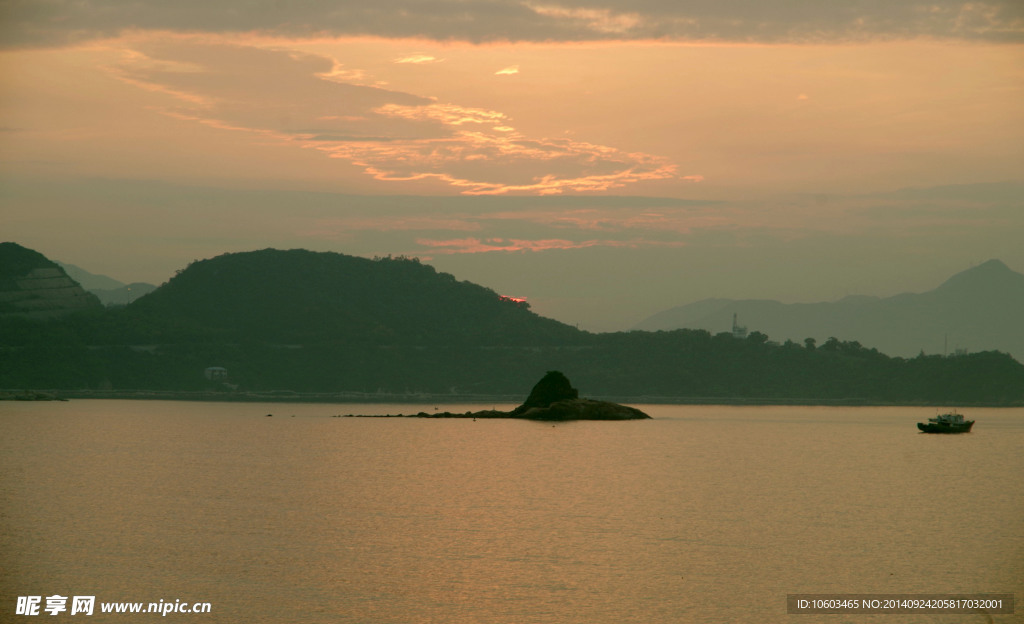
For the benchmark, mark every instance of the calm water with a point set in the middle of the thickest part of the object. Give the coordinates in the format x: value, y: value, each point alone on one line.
x: 705, y: 514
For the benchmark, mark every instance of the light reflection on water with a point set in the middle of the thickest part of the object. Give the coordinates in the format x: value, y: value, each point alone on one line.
x: 704, y: 514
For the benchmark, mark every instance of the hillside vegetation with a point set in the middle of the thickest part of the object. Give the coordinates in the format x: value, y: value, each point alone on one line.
x: 304, y: 297
x: 330, y: 323
x: 33, y: 286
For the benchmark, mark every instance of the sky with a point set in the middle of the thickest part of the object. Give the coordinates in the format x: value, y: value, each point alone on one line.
x: 604, y: 159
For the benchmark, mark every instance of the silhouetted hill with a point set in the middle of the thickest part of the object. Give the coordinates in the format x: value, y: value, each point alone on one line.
x: 979, y: 309
x: 272, y: 323
x: 302, y: 297
x: 16, y: 261
x: 33, y: 286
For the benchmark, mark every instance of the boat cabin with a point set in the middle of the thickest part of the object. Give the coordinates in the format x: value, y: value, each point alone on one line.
x: 948, y: 419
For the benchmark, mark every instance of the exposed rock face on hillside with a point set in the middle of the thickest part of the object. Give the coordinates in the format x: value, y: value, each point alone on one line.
x: 33, y: 286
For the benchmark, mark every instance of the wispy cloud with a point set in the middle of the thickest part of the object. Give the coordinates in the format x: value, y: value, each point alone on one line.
x: 531, y: 225
x: 343, y: 75
x: 447, y: 114
x: 602, y: 21
x: 511, y: 158
x: 394, y: 136
x: 347, y: 227
x: 618, y: 220
x: 418, y: 59
x: 487, y: 245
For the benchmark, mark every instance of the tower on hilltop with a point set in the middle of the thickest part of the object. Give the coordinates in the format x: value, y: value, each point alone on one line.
x: 738, y: 331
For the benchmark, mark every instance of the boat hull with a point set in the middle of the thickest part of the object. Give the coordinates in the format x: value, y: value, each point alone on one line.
x: 946, y: 428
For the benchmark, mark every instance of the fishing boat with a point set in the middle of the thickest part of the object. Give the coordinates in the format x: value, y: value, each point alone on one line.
x: 946, y: 423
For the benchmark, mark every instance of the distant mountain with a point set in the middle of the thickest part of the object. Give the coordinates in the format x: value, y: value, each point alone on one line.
x: 90, y: 281
x: 302, y: 297
x: 109, y: 290
x: 979, y: 309
x: 33, y: 286
x: 275, y: 322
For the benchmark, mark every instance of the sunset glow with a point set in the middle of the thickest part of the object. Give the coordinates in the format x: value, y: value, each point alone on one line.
x: 674, y: 136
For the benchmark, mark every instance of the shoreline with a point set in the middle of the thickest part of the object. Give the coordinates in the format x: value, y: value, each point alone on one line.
x: 343, y: 398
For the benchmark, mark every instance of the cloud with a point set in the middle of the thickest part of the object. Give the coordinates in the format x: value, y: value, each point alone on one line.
x: 58, y: 22
x: 625, y: 219
x: 224, y: 79
x: 600, y: 21
x: 418, y: 59
x: 393, y: 136
x: 508, y: 71
x: 521, y: 224
x: 447, y: 114
x: 477, y: 245
x: 349, y: 227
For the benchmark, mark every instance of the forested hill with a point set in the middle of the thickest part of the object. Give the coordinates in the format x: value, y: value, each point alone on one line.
x: 303, y: 297
x: 17, y: 261
x: 299, y: 321
x: 33, y: 286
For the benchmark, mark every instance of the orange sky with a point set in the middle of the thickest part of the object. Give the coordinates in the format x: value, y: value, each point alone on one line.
x: 421, y: 117
x: 743, y: 148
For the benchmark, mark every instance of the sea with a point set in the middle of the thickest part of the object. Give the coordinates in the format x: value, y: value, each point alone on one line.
x: 293, y: 513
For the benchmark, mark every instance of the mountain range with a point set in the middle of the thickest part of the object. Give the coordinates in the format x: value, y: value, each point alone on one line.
x: 979, y: 309
x: 316, y: 322
x: 109, y: 290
